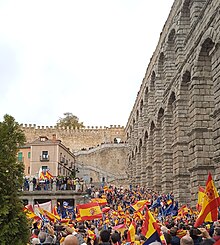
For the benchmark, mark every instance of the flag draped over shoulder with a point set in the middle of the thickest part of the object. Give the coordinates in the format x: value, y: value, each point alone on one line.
x: 201, y: 194
x: 151, y: 230
x: 89, y: 211
x: 140, y: 204
x: 209, y: 211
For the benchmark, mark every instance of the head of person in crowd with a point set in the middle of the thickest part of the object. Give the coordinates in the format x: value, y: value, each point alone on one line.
x: 167, y: 237
x: 186, y: 240
x: 216, y: 234
x: 175, y: 240
x: 71, y: 240
x: 116, y: 238
x: 42, y: 236
x: 105, y: 237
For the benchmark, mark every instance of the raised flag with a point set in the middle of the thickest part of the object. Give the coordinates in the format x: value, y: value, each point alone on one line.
x: 100, y: 201
x: 210, y: 203
x: 151, y: 230
x: 89, y: 211
x: 29, y: 211
x: 140, y: 204
x: 120, y: 228
x: 131, y: 232
x: 201, y: 194
x: 170, y: 201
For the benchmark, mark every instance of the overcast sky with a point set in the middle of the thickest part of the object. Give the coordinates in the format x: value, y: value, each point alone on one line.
x: 87, y: 57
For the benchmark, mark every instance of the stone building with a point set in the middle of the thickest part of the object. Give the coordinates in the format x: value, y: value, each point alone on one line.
x: 44, y: 153
x: 173, y: 131
x: 100, y: 152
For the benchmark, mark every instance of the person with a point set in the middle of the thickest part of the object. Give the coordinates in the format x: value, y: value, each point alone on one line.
x: 116, y: 238
x: 216, y: 234
x: 175, y: 240
x: 105, y: 237
x: 186, y: 240
x: 71, y: 240
x: 47, y: 237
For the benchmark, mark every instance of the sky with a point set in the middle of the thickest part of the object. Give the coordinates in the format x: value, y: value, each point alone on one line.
x: 86, y: 57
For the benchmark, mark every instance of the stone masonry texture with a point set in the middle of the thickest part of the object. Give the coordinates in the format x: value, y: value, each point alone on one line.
x: 173, y: 131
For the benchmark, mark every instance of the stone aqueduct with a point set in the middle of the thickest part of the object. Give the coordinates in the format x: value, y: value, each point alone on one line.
x: 173, y: 131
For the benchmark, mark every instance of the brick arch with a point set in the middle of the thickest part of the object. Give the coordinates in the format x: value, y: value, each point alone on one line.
x: 141, y: 107
x: 185, y: 15
x: 145, y: 136
x: 201, y: 109
x: 133, y: 122
x: 152, y: 127
x: 140, y: 145
x: 185, y: 79
x: 171, y: 37
x: 152, y: 81
x: 160, y: 114
x: 172, y: 98
x: 161, y: 61
x: 137, y: 115
x: 146, y: 93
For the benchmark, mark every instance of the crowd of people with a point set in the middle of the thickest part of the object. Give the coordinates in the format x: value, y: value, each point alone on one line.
x: 61, y: 183
x: 177, y: 228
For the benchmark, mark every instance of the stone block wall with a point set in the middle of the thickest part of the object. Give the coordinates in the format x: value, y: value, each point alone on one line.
x: 173, y: 130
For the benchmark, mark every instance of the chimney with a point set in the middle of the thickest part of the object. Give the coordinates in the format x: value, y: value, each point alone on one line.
x: 54, y: 139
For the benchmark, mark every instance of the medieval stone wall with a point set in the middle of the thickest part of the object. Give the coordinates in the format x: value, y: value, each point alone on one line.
x: 106, y: 161
x: 76, y: 139
x: 97, y: 153
x: 173, y: 131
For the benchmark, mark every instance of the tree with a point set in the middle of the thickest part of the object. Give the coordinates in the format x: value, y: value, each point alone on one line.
x: 69, y: 121
x: 13, y: 222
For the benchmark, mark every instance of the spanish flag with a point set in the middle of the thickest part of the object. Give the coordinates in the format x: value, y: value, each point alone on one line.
x: 52, y: 217
x: 201, y: 194
x: 89, y: 211
x: 131, y: 232
x: 120, y: 228
x: 29, y: 211
x: 100, y: 201
x: 140, y: 204
x: 210, y: 203
x: 151, y: 230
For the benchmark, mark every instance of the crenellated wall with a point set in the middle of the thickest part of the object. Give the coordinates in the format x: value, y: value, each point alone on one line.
x: 76, y: 139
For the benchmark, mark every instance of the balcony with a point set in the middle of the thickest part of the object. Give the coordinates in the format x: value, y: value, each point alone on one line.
x: 44, y: 158
x: 62, y: 159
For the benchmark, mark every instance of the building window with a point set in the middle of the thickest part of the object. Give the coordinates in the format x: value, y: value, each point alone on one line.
x: 29, y: 170
x: 20, y: 156
x: 29, y: 154
x: 44, y: 156
x: 44, y: 168
x: 64, y: 171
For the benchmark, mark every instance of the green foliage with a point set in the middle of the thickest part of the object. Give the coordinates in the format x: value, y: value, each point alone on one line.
x: 13, y: 222
x: 69, y: 120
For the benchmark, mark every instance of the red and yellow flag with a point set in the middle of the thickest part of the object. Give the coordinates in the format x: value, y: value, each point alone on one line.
x: 209, y: 211
x: 89, y: 211
x: 140, y: 204
x: 131, y: 232
x: 100, y: 201
x: 201, y: 195
x: 151, y: 229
